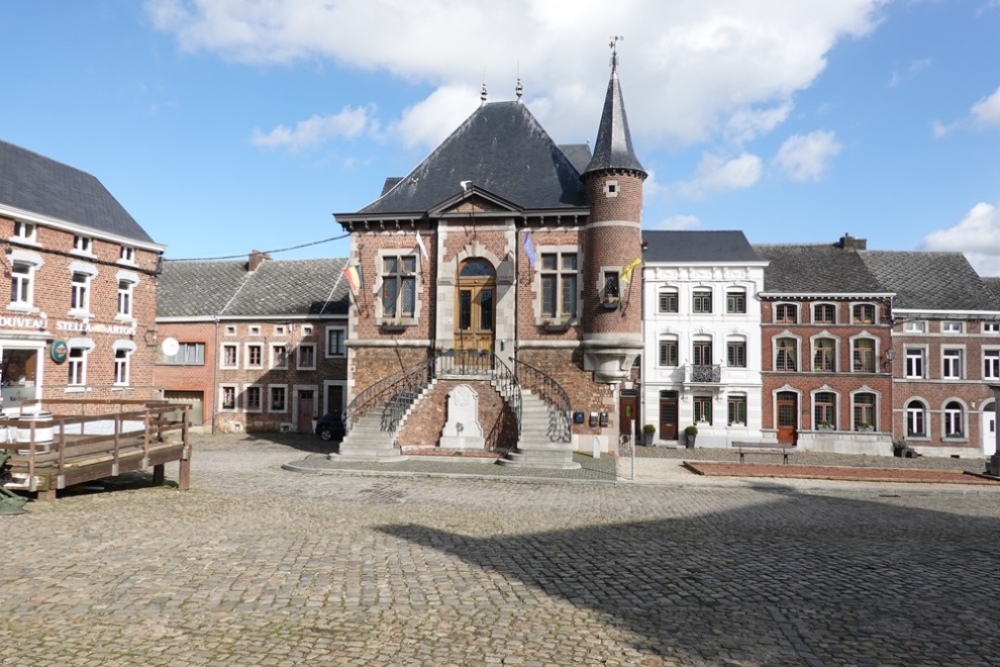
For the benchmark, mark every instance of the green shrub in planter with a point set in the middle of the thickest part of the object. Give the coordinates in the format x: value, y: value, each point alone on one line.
x: 649, y: 428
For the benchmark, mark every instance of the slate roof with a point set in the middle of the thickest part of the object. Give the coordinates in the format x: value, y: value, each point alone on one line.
x: 276, y: 288
x: 993, y: 285
x: 37, y: 184
x: 697, y: 246
x: 930, y: 280
x: 501, y: 149
x: 816, y: 269
x: 613, y: 148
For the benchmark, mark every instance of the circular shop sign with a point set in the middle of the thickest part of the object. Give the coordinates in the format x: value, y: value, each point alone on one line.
x: 58, y: 351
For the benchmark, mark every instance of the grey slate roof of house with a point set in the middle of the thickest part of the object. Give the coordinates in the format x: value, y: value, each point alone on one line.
x: 613, y: 148
x: 993, y: 285
x: 816, y: 269
x: 930, y: 280
x: 276, y: 288
x: 40, y: 185
x: 501, y: 149
x: 697, y: 246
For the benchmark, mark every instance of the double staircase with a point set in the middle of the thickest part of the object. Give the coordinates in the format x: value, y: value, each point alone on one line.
x: 540, y: 406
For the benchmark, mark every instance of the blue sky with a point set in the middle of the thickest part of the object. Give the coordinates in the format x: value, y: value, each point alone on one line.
x: 228, y: 125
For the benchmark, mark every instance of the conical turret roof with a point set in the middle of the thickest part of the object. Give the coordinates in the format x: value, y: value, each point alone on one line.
x: 613, y: 149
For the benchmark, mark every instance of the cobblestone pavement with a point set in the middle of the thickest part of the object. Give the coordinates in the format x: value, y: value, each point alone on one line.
x: 257, y: 565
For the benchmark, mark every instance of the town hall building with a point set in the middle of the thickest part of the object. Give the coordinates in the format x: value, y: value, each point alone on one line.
x: 494, y: 305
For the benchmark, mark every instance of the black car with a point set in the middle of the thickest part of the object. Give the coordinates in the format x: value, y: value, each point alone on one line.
x: 331, y: 426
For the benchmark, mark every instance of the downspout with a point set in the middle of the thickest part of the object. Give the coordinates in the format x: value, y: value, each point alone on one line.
x: 215, y: 373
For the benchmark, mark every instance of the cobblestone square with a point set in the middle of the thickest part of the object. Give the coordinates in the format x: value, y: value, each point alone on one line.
x: 257, y: 565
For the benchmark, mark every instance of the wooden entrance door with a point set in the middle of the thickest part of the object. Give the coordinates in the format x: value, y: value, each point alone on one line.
x: 475, y: 306
x: 306, y: 411
x: 788, y: 416
x: 668, y: 415
x: 628, y: 413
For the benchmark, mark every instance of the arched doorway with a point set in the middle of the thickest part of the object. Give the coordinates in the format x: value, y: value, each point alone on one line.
x: 475, y: 308
x: 989, y: 428
x: 788, y: 416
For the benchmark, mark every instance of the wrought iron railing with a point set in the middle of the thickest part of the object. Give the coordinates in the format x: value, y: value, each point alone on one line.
x: 382, y: 395
x: 464, y: 362
x: 705, y: 373
x: 550, y: 391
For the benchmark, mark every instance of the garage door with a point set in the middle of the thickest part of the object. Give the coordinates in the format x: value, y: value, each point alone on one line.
x: 193, y: 398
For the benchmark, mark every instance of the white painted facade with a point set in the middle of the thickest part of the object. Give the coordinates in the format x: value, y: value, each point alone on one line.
x: 709, y: 382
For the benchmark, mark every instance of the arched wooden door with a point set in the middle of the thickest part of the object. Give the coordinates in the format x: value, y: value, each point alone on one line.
x: 475, y: 306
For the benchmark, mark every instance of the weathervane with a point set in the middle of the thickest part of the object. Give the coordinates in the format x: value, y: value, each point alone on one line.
x: 614, y: 50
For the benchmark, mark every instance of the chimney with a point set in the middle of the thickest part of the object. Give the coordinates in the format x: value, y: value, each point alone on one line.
x: 256, y: 259
x: 848, y: 242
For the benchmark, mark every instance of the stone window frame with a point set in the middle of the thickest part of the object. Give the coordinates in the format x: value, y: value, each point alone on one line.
x: 342, y: 353
x: 127, y: 294
x: 814, y: 348
x: 957, y: 359
x: 222, y: 356
x: 797, y: 356
x: 924, y: 415
x: 247, y: 356
x: 273, y: 348
x: 954, y: 419
x: 123, y: 364
x: 991, y: 353
x: 824, y: 305
x: 248, y: 391
x: 921, y: 351
x: 222, y: 397
x: 855, y: 406
x: 270, y: 399
x: 855, y: 349
x: 814, y: 404
x: 298, y: 357
x: 785, y: 306
x: 380, y: 278
x: 33, y: 261
x: 864, y: 305
x: 557, y: 250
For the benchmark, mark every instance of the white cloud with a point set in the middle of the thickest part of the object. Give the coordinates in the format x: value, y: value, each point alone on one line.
x: 915, y: 68
x: 717, y: 174
x: 678, y: 223
x: 805, y: 157
x: 977, y: 235
x: 986, y: 112
x: 434, y: 118
x: 349, y: 124
x: 700, y: 70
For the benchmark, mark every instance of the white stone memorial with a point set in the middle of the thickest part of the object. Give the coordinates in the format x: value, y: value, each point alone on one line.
x: 462, y: 430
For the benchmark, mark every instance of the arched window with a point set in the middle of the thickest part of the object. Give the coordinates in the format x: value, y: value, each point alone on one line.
x: 916, y: 419
x: 954, y: 420
x: 786, y: 354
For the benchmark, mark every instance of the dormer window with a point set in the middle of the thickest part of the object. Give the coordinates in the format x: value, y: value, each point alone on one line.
x: 25, y: 231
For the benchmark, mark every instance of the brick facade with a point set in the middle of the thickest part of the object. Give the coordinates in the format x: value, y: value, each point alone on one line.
x: 110, y: 330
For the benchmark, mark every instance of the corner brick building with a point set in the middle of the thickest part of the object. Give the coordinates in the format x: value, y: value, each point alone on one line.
x: 260, y: 344
x: 77, y: 320
x: 496, y: 305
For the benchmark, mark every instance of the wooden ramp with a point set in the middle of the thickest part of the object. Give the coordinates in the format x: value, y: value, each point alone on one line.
x: 47, y: 456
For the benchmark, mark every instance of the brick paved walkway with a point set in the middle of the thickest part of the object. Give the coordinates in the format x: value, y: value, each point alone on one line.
x: 257, y: 565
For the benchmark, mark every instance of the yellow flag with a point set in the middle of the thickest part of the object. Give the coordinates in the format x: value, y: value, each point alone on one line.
x: 626, y: 273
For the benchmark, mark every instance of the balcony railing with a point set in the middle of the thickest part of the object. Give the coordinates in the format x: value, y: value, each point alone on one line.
x: 704, y: 373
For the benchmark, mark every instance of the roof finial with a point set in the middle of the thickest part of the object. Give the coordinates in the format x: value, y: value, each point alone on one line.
x: 519, y: 89
x: 482, y: 93
x: 614, y: 51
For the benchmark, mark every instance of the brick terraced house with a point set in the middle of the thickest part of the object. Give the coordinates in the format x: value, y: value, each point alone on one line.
x: 826, y: 349
x: 257, y: 345
x: 496, y: 307
x: 77, y: 320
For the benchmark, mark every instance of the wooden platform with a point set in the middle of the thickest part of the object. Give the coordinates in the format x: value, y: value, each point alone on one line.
x: 74, y: 457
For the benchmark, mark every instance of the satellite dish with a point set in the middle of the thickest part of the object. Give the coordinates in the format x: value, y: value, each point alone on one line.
x: 170, y: 346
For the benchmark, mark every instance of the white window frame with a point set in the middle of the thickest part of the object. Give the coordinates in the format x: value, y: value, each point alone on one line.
x: 953, y: 420
x: 814, y: 403
x: 875, y: 408
x: 25, y: 232
x: 298, y: 357
x: 254, y: 329
x: 274, y: 355
x: 991, y: 327
x: 738, y: 293
x: 698, y: 294
x: 247, y: 390
x: 918, y: 356
x: 246, y: 358
x: 738, y: 340
x: 343, y: 342
x: 951, y: 327
x: 270, y: 398
x: 915, y: 326
x: 222, y: 355
x: 663, y: 297
x: 952, y: 363
x: 813, y: 347
x: 76, y: 367
x: 222, y: 397
x: 230, y: 329
x: 991, y: 363
x: 126, y: 292
x: 126, y: 255
x: 661, y: 345
x: 913, y: 414
x: 786, y: 304
x: 83, y: 245
x: 798, y: 352
x: 22, y: 282
x: 307, y: 330
x: 123, y: 357
x: 280, y: 330
x: 864, y: 304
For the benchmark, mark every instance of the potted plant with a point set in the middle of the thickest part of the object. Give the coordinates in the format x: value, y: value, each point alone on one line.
x: 648, y: 431
x: 690, y: 433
